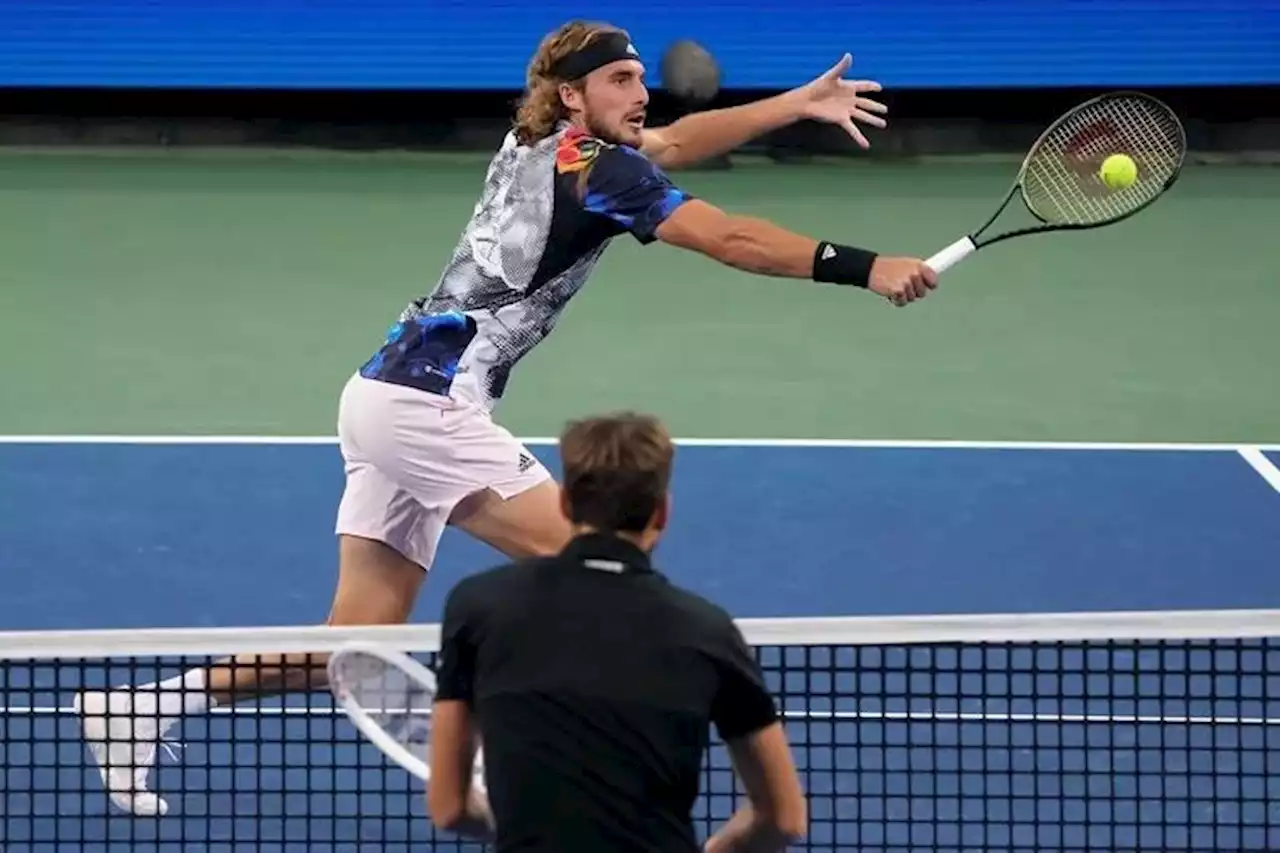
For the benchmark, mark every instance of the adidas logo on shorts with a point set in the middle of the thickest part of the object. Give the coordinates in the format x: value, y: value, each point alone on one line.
x: 526, y: 462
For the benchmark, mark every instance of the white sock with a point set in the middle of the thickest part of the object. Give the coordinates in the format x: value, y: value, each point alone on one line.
x: 173, y: 697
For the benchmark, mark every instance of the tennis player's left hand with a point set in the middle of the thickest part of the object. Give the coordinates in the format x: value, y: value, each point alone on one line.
x: 835, y: 100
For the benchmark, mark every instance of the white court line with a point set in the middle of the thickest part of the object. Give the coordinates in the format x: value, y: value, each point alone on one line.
x: 181, y: 440
x: 837, y: 443
x: 792, y: 714
x: 1264, y: 466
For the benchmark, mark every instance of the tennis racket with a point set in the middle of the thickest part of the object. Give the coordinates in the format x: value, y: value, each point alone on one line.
x: 388, y: 696
x: 1059, y: 178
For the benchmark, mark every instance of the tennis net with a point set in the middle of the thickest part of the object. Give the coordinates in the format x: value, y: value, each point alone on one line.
x: 1059, y: 732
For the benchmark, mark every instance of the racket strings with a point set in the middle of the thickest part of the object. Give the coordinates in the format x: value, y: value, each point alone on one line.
x: 1061, y: 182
x: 389, y: 696
x: 1070, y: 186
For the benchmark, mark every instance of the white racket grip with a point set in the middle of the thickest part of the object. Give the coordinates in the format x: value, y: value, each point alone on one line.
x: 952, y: 255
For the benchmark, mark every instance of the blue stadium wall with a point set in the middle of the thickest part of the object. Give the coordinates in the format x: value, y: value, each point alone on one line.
x: 447, y: 44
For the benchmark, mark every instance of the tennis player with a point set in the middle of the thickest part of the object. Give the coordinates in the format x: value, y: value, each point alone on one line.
x: 415, y: 424
x: 593, y: 682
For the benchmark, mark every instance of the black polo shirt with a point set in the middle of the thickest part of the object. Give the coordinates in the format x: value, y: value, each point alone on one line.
x: 595, y: 682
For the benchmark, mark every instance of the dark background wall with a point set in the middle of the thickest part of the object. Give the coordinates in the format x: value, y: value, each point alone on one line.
x: 961, y: 77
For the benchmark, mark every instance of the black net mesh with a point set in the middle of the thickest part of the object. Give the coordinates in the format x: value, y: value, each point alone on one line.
x: 1036, y: 746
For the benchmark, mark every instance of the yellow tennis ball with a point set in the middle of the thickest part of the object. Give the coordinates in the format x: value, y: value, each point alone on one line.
x: 1118, y: 171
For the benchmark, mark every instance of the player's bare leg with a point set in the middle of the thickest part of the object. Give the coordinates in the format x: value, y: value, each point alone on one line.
x: 530, y: 524
x: 377, y: 585
x: 123, y: 728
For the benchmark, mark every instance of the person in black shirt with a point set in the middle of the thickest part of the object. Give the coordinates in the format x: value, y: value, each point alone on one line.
x: 593, y: 682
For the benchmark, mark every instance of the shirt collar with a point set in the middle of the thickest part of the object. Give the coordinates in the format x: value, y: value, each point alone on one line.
x: 608, y: 553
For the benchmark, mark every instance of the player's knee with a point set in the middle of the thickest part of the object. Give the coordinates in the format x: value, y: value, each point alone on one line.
x: 549, y: 545
x: 544, y: 542
x: 376, y: 584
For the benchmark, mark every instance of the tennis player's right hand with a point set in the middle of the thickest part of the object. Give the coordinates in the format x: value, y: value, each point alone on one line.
x: 902, y: 280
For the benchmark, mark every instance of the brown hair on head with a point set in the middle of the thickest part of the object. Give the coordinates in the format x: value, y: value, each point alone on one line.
x: 540, y: 106
x: 617, y: 469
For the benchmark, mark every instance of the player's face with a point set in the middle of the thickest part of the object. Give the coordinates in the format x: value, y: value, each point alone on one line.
x: 614, y: 101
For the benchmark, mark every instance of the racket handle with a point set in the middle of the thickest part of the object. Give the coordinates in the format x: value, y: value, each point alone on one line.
x: 952, y: 255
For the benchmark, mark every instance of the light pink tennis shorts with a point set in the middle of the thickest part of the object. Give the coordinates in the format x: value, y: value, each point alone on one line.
x: 411, y: 456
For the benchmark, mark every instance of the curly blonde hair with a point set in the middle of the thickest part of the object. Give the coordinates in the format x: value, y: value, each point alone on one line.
x: 540, y: 107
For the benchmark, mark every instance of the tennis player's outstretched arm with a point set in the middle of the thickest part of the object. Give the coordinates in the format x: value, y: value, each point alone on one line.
x: 626, y: 187
x: 762, y: 247
x: 829, y: 98
x: 747, y: 720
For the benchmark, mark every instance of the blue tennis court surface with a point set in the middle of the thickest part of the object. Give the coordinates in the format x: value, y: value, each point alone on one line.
x: 129, y: 535
x: 962, y: 749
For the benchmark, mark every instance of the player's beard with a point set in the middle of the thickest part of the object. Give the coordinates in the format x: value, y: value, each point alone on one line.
x: 616, y: 134
x: 601, y: 130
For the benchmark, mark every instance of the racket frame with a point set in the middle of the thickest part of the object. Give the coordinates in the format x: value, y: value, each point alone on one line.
x: 413, y: 669
x: 972, y: 242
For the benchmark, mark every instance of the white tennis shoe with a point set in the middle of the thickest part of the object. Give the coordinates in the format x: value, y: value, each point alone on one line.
x: 123, y: 744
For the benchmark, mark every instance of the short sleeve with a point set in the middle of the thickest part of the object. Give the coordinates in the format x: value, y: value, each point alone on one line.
x: 743, y: 704
x: 455, y: 672
x: 620, y: 184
